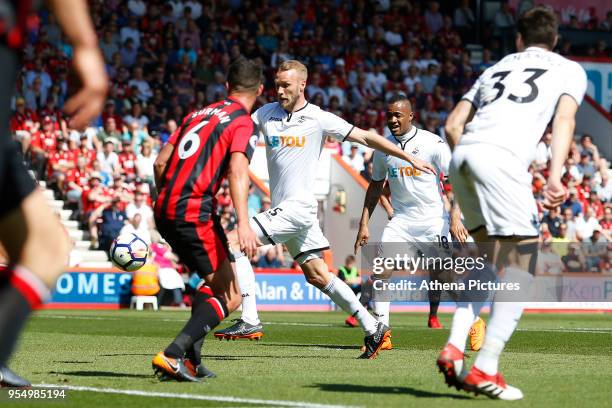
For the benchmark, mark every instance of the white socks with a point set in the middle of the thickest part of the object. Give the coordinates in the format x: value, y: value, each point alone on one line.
x: 504, y: 319
x: 246, y: 281
x: 344, y: 297
x: 465, y: 315
x: 505, y: 315
x: 380, y: 310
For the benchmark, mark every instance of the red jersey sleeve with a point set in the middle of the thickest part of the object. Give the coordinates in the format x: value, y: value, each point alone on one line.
x: 244, y: 137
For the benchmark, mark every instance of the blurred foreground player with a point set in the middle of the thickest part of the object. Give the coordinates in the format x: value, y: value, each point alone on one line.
x: 420, y: 221
x: 35, y: 242
x: 494, y: 131
x: 212, y: 143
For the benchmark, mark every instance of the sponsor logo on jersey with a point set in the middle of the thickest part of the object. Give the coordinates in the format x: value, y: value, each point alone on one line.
x: 273, y: 119
x: 404, y: 171
x: 286, y: 141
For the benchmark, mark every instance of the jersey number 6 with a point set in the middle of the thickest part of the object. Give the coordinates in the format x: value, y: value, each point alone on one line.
x: 190, y: 143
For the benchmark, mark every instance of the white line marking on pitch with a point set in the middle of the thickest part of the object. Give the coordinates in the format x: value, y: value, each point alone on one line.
x: 217, y: 398
x: 602, y: 330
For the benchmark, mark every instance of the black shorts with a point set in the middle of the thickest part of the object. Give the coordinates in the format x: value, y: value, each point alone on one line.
x: 15, y: 181
x: 202, y: 246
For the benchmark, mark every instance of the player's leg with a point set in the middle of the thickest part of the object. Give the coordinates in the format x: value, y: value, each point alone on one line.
x: 36, y: 245
x: 450, y: 360
x: 273, y: 226
x: 203, y: 248
x: 518, y: 257
x: 306, y: 248
x: 494, y: 184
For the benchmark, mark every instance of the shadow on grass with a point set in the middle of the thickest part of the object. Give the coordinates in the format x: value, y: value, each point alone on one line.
x: 325, y: 346
x: 100, y: 374
x: 239, y: 357
x: 126, y: 354
x: 375, y: 389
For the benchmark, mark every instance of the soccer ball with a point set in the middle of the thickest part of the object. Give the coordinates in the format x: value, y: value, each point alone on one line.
x: 129, y: 252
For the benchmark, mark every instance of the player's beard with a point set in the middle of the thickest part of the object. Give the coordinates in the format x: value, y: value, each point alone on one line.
x: 288, y: 104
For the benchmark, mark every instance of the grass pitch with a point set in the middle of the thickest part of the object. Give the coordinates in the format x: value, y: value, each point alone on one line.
x: 306, y: 358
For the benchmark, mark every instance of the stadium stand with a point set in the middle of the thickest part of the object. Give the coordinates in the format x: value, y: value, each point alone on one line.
x: 166, y: 58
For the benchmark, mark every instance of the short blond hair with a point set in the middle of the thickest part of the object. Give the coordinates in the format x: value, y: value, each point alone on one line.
x: 294, y: 64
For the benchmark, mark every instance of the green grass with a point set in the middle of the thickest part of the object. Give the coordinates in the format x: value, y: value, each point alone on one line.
x: 555, y: 359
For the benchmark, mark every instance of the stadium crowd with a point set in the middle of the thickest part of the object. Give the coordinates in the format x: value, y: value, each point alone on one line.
x: 165, y: 58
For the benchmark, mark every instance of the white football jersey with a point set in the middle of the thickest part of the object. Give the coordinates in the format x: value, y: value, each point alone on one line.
x: 516, y: 98
x: 415, y: 196
x: 293, y: 145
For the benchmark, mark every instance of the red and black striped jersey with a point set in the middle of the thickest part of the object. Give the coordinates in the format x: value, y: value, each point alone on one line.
x: 202, y: 149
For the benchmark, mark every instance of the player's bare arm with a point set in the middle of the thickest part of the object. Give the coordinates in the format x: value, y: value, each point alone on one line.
x: 456, y: 121
x: 371, y: 139
x: 456, y: 225
x: 161, y: 162
x: 373, y: 195
x: 386, y: 202
x: 564, y: 123
x: 238, y: 177
x: 74, y: 18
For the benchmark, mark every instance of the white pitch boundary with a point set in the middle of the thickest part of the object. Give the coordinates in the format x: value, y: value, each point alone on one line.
x: 217, y: 398
x: 601, y: 330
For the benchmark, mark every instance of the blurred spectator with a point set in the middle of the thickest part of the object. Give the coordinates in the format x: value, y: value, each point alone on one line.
x: 169, y: 277
x: 355, y: 159
x: 574, y: 260
x: 144, y: 162
x: 553, y: 220
x: 350, y: 274
x: 112, y: 221
x: 141, y: 208
x: 269, y: 260
x: 108, y: 159
x: 463, y: 19
x: 586, y: 224
x: 433, y: 18
x: 110, y: 132
x: 572, y: 202
x: 136, y: 226
x: 144, y: 92
x: 569, y: 223
x: 595, y: 248
x: 549, y: 262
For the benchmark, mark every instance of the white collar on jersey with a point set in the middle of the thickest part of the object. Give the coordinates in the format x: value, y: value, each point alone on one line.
x: 406, y: 136
x: 539, y: 49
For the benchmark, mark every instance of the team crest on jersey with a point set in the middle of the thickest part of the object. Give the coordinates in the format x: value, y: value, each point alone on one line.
x: 415, y: 151
x: 301, y: 119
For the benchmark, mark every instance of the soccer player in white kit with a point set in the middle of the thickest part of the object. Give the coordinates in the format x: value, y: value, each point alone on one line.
x: 494, y: 131
x: 294, y: 132
x: 420, y: 220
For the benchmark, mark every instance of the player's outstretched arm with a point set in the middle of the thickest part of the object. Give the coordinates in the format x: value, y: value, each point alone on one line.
x: 238, y: 177
x: 373, y: 194
x: 371, y: 139
x: 85, y: 105
x: 563, y: 126
x: 159, y: 166
x: 455, y: 123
